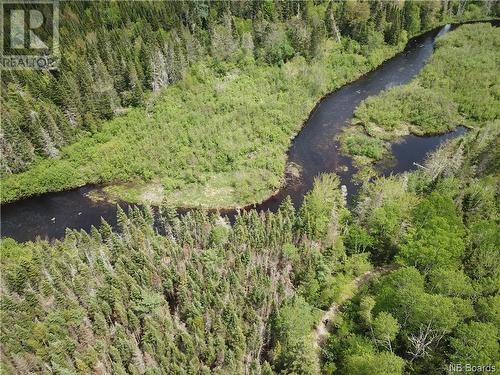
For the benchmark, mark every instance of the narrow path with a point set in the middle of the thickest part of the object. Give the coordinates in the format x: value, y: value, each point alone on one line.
x: 321, y: 331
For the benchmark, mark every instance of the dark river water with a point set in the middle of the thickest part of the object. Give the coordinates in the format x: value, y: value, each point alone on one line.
x: 314, y: 150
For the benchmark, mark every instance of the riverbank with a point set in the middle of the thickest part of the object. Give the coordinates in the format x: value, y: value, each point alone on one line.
x: 217, y: 139
x: 312, y: 152
x: 197, y: 158
x: 455, y: 88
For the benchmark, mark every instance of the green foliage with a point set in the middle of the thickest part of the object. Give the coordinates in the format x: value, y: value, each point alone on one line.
x: 482, y: 255
x: 476, y: 343
x: 411, y: 17
x: 140, y: 300
x: 381, y: 364
x: 184, y: 145
x: 438, y: 240
x: 358, y: 240
x: 465, y: 62
x: 385, y: 211
x: 410, y: 108
x: 456, y: 87
x: 320, y: 214
x: 205, y: 63
x: 292, y: 348
x: 451, y: 282
x: 446, y: 310
x: 364, y: 145
x: 488, y: 309
x: 210, y: 297
x: 385, y: 328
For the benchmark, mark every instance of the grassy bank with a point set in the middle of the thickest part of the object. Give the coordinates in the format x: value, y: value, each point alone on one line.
x: 458, y: 86
x: 210, y: 294
x: 218, y: 138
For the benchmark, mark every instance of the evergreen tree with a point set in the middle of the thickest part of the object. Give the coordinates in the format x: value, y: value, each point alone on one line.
x: 411, y: 14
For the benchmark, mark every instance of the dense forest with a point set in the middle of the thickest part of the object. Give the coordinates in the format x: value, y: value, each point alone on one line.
x: 201, y: 296
x: 196, y: 103
x: 180, y: 97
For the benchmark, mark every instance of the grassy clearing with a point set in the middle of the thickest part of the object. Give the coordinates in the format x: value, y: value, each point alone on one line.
x: 458, y: 86
x: 218, y: 138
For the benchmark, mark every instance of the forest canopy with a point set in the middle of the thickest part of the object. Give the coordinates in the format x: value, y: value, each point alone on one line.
x: 197, y: 294
x: 219, y: 87
x: 195, y: 103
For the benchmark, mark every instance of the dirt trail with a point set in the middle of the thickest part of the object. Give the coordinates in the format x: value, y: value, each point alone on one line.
x: 321, y: 331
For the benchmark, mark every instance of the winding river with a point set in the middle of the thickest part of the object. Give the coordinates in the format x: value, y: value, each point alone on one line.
x: 314, y: 150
